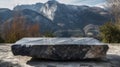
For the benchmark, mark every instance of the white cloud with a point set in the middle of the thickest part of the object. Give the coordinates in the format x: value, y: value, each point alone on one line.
x: 67, y: 1
x: 89, y: 2
x: 11, y: 3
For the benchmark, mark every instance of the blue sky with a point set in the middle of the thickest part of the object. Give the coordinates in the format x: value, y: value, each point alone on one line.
x: 11, y: 3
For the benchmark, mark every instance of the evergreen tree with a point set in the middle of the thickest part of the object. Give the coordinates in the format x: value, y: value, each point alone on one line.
x: 48, y: 34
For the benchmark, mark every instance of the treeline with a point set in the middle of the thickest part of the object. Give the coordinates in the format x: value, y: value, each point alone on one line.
x: 19, y: 28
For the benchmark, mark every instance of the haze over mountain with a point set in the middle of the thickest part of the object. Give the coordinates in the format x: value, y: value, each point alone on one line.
x: 54, y: 16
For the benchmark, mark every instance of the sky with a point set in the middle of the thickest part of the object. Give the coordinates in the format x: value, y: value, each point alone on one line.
x: 12, y: 3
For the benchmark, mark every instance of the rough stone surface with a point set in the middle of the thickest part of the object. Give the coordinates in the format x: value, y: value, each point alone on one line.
x: 7, y: 59
x: 62, y: 50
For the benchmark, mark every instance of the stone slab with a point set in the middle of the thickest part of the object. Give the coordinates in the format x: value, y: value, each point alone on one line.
x: 60, y: 48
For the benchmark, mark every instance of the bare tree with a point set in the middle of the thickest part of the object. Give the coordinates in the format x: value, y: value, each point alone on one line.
x: 20, y: 28
x: 114, y: 7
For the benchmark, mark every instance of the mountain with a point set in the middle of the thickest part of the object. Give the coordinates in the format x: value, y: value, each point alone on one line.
x: 34, y: 7
x: 73, y: 17
x: 5, y: 14
x: 54, y: 16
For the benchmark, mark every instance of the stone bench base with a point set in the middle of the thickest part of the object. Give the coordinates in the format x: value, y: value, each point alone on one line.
x: 61, y: 52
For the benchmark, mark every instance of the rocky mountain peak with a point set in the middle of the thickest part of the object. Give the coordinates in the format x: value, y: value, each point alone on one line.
x: 49, y: 8
x: 52, y: 1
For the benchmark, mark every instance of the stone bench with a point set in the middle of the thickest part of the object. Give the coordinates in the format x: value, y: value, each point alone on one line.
x: 60, y: 48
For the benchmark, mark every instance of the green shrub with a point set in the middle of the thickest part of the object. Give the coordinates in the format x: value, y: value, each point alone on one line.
x: 110, y: 33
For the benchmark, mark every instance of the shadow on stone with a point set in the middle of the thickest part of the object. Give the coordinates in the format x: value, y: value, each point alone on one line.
x: 8, y: 64
x: 114, y: 60
x: 77, y: 60
x: 109, y: 61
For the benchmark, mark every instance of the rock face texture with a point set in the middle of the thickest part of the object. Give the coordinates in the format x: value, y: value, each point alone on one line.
x: 60, y: 48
